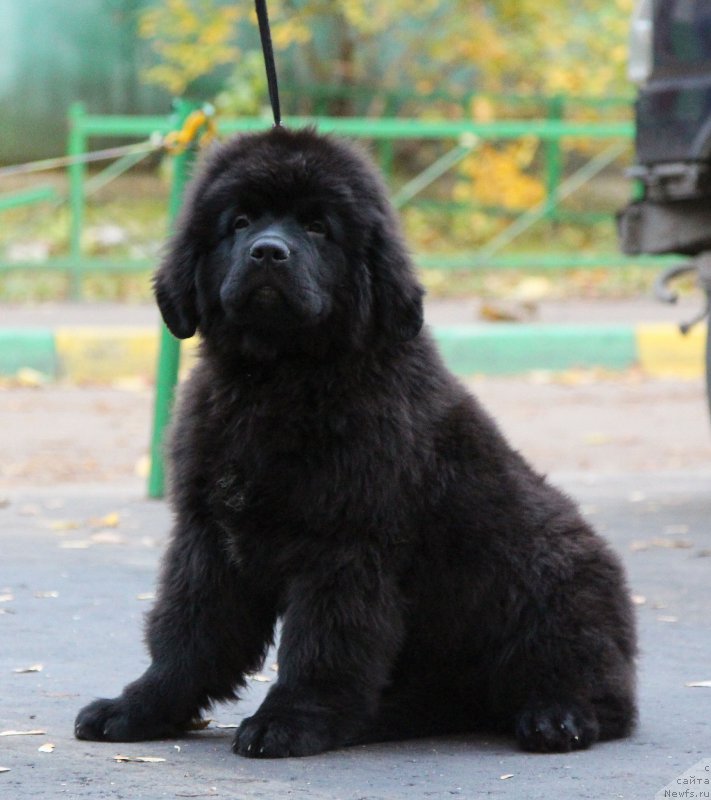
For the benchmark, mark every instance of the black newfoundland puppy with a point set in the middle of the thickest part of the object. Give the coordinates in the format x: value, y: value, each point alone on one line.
x: 330, y: 473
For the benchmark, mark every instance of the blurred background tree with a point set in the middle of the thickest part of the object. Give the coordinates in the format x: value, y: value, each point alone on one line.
x: 495, y: 46
x: 191, y: 38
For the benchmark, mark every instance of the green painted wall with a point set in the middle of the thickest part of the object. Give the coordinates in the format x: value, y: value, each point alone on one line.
x: 53, y: 52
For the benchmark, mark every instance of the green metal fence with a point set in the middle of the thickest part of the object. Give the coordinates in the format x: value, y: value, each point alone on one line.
x: 463, y: 135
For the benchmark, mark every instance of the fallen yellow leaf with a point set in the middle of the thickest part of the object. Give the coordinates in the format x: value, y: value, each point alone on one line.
x: 110, y: 520
x: 30, y: 378
x: 142, y: 467
x: 75, y: 544
x: 198, y: 724
x: 64, y: 524
x: 107, y: 537
x: 502, y: 312
x: 139, y: 759
x: 675, y: 530
x: 30, y: 510
x: 259, y: 678
x: 683, y: 544
x: 597, y: 438
x: 659, y: 541
x: 532, y: 289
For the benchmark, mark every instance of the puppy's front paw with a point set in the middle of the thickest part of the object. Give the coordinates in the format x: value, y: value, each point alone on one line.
x: 119, y: 720
x: 276, y: 736
x: 556, y: 727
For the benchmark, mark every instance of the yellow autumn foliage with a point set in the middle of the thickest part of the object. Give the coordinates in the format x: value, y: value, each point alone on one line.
x: 516, y: 45
x: 496, y: 175
x: 190, y: 38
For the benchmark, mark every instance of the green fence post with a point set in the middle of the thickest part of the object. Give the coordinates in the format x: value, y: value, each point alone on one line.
x: 76, y: 148
x: 169, y: 352
x: 386, y: 147
x: 553, y: 156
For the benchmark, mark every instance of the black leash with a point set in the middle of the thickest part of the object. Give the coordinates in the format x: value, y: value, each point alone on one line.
x: 266, y: 37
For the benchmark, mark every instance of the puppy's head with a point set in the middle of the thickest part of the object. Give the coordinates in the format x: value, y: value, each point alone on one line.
x: 287, y: 238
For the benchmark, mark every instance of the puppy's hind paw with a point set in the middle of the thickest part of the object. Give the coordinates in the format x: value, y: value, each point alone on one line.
x: 556, y: 727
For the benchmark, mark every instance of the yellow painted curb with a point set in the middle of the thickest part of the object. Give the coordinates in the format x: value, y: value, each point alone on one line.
x: 665, y: 352
x: 107, y: 354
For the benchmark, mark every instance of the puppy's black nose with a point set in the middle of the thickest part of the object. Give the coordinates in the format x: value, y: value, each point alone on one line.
x: 269, y: 248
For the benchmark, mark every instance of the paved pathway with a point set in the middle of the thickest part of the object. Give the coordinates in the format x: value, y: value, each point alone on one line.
x: 78, y: 565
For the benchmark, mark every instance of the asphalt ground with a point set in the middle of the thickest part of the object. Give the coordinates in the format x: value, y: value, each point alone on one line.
x: 77, y: 575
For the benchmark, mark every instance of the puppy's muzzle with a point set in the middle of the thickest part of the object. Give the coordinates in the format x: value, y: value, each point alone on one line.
x: 266, y: 277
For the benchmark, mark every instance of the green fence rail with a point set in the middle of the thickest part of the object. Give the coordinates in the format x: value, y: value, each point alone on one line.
x: 40, y: 194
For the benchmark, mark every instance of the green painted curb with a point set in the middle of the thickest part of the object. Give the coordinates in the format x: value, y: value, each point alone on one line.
x: 31, y: 348
x: 505, y: 349
x: 493, y: 349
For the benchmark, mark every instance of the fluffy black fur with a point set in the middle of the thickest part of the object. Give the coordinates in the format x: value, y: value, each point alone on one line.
x: 328, y: 471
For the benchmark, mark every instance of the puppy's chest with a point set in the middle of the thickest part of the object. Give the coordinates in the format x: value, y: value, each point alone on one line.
x: 268, y: 445
x: 281, y: 420
x: 300, y: 459
x: 269, y: 515
x: 271, y: 466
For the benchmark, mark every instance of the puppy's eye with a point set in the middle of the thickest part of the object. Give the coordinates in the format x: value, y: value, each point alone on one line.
x: 317, y: 227
x: 241, y: 221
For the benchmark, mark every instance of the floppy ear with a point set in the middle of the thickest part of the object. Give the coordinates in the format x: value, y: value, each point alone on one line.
x: 174, y: 284
x: 397, y: 292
